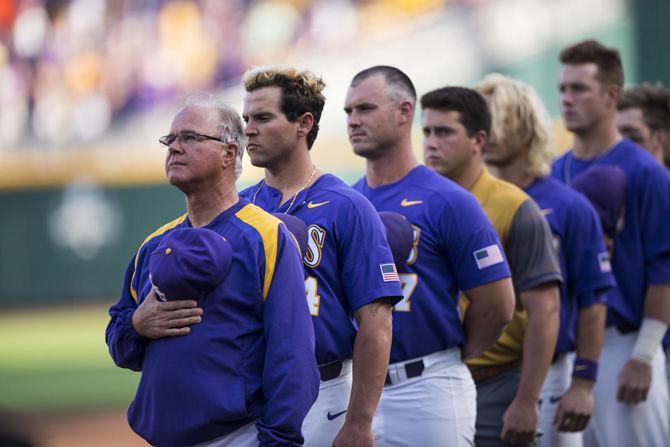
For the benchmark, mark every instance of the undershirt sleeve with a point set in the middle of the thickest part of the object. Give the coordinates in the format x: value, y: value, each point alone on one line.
x: 530, y: 251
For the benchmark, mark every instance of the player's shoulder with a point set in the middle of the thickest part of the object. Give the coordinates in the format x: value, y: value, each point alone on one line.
x: 634, y: 157
x: 155, y: 236
x: 430, y: 186
x: 561, y: 194
x: 563, y: 202
x: 249, y: 192
x: 500, y: 193
x: 336, y: 193
x: 255, y: 223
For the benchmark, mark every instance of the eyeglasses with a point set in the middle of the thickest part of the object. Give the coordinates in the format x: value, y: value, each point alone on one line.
x: 185, y: 138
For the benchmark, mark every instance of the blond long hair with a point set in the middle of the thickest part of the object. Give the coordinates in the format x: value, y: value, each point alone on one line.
x: 519, y: 119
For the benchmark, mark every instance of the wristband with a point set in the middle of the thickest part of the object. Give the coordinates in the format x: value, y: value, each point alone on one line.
x: 585, y: 369
x: 648, y: 340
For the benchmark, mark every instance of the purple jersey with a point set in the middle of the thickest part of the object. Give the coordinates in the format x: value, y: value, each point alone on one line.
x: 585, y: 264
x: 642, y: 248
x: 455, y: 248
x: 250, y: 357
x: 348, y: 261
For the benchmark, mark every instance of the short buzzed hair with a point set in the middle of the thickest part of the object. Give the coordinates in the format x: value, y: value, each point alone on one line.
x: 608, y: 60
x: 301, y: 92
x: 400, y: 83
x: 653, y: 100
x: 474, y: 113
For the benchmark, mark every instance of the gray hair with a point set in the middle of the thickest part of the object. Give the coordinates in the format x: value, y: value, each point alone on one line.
x: 232, y: 129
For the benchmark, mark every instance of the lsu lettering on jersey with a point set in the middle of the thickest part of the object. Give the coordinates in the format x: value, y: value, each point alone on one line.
x: 584, y: 260
x: 642, y: 248
x: 250, y: 358
x: 455, y: 248
x: 347, y: 261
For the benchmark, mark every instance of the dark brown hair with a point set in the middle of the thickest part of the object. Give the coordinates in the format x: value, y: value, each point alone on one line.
x: 608, y: 61
x: 471, y: 106
x: 653, y: 100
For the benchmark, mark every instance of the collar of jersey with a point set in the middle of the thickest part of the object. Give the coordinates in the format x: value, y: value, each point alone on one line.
x: 300, y: 198
x: 224, y: 215
x: 484, y: 186
x: 416, y: 171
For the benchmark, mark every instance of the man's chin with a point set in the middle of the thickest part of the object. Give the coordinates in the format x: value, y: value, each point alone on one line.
x: 490, y: 160
x: 178, y: 183
x: 366, y: 151
x: 258, y: 162
x: 572, y: 126
x: 440, y: 169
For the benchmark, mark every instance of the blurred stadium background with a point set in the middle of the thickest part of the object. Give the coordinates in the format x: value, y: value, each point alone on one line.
x: 87, y: 87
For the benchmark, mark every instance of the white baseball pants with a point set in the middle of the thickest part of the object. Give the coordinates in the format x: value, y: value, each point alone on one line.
x: 555, y: 385
x: 615, y: 424
x: 437, y: 408
x: 327, y: 415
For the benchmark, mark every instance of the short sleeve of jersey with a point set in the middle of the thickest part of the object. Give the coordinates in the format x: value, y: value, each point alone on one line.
x: 530, y: 250
x: 364, y: 257
x: 471, y: 244
x: 588, y: 263
x: 655, y: 215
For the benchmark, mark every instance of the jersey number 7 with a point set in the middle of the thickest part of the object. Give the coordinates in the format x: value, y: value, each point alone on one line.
x: 408, y: 282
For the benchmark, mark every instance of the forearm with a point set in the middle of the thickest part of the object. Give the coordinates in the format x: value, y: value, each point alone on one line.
x: 370, y: 362
x: 656, y: 314
x: 590, y: 331
x: 539, y: 341
x: 657, y: 303
x: 126, y: 346
x: 483, y: 327
x: 490, y: 310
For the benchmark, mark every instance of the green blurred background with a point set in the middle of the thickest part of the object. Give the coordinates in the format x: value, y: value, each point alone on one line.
x: 81, y: 180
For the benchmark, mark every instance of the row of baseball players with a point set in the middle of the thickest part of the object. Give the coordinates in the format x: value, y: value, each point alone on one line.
x: 503, y: 302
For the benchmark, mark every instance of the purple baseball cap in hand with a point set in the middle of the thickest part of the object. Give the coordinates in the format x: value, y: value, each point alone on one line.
x: 297, y: 227
x: 189, y: 263
x: 399, y: 234
x: 605, y: 187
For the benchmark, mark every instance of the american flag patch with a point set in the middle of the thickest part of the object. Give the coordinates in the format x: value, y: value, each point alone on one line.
x: 389, y: 272
x: 604, y: 262
x: 488, y: 256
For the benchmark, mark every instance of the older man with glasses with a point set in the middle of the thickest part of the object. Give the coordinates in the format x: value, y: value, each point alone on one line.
x: 212, y: 310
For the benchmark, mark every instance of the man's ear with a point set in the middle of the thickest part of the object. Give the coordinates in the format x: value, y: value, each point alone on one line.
x: 480, y: 137
x: 661, y: 137
x: 305, y: 124
x: 613, y: 92
x: 229, y: 154
x: 406, y: 112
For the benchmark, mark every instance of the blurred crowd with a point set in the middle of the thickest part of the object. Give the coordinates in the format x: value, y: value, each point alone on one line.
x: 71, y: 70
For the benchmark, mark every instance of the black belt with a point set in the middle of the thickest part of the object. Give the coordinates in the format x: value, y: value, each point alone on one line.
x: 330, y: 371
x: 558, y: 356
x: 412, y: 369
x: 481, y: 373
x: 623, y: 328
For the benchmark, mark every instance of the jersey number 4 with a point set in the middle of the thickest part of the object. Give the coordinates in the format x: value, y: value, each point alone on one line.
x: 313, y: 298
